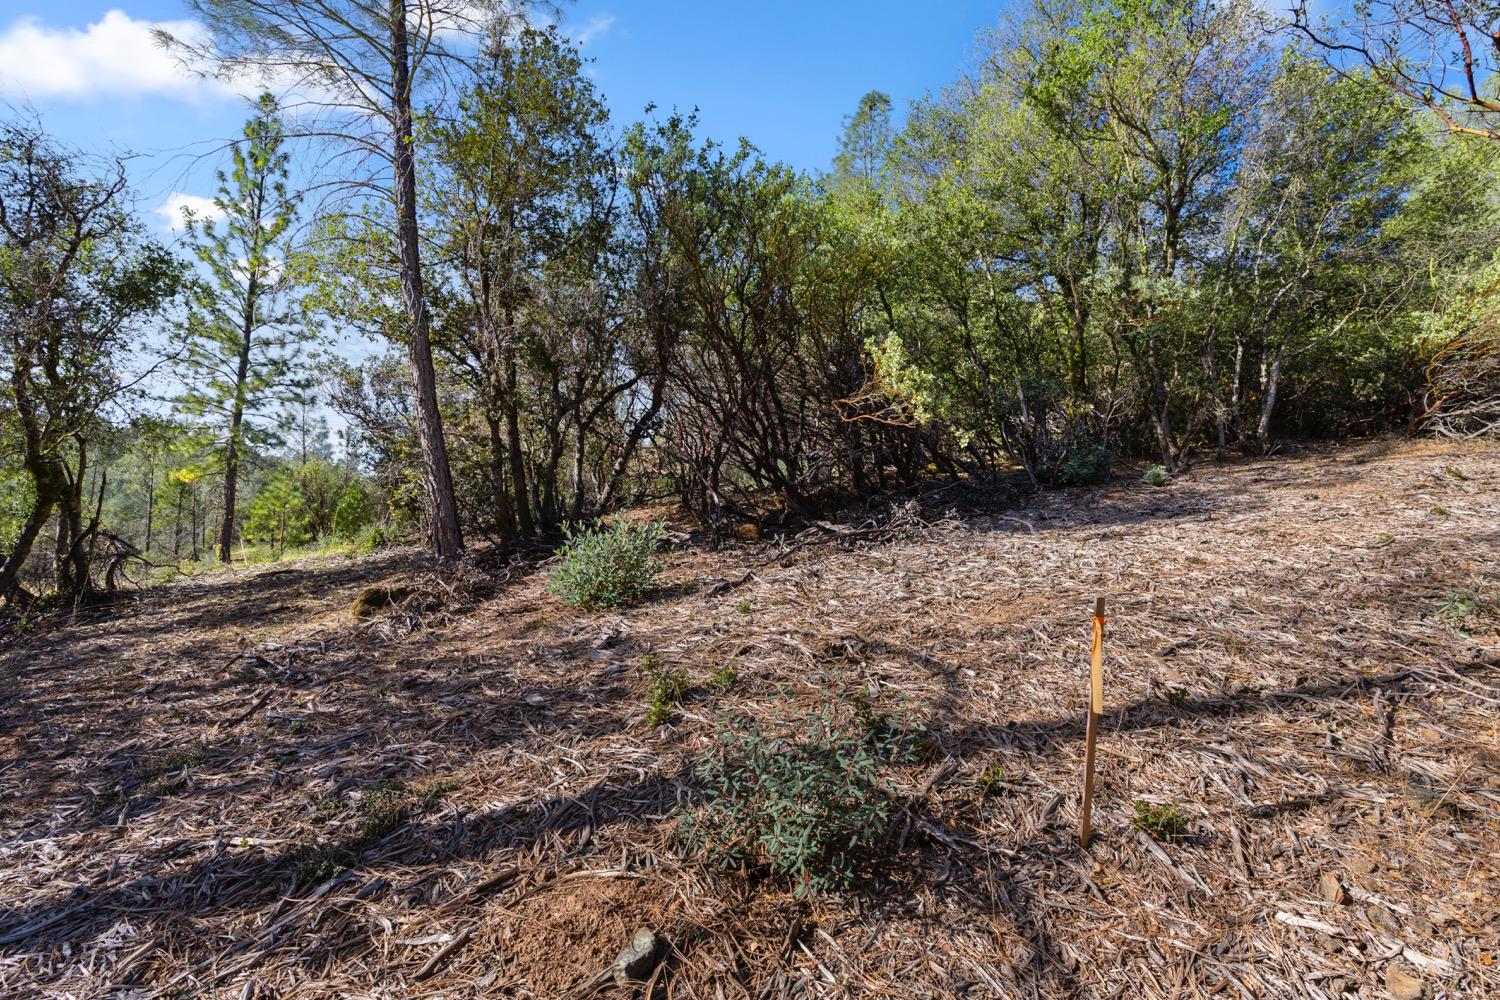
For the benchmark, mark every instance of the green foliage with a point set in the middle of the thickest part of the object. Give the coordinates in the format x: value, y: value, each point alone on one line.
x: 723, y: 677
x: 808, y: 800
x: 665, y: 688
x: 1157, y: 475
x: 80, y: 284
x: 607, y: 567
x: 278, y: 516
x: 354, y: 512
x: 1163, y: 822
x: 1087, y: 461
x: 992, y: 781
x: 1464, y: 607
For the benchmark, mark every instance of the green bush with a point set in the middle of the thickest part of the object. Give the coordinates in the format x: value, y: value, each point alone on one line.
x: 607, y: 567
x: 1157, y: 475
x: 354, y: 512
x: 806, y: 801
x: 1087, y: 461
x: 278, y: 515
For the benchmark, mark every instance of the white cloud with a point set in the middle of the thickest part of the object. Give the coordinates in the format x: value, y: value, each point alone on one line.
x: 202, y: 208
x: 114, y: 57
x: 594, y: 27
x: 119, y: 57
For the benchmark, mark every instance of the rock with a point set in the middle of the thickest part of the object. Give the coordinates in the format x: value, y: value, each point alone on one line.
x: 373, y: 600
x: 1382, y: 918
x: 1332, y: 890
x: 1403, y: 985
x: 1428, y: 799
x: 636, y: 959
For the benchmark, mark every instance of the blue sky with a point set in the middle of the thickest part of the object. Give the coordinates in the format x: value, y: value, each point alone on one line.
x: 779, y: 73
x: 782, y: 74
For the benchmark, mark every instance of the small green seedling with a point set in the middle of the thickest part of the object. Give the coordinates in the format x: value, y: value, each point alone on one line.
x: 1161, y: 822
x: 992, y: 781
x: 667, y: 687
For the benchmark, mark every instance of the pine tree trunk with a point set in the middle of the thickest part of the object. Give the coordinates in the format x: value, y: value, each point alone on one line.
x: 236, y: 421
x: 447, y: 539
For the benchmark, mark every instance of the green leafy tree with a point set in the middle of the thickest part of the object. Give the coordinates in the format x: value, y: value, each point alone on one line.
x: 79, y: 278
x: 355, y: 510
x: 865, y: 145
x: 522, y: 199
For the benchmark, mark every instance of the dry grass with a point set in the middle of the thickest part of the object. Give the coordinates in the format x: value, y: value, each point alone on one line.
x: 235, y: 789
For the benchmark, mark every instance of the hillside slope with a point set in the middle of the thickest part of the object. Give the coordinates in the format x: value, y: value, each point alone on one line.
x: 235, y: 788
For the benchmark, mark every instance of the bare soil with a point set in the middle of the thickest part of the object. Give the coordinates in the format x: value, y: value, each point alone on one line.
x: 232, y: 787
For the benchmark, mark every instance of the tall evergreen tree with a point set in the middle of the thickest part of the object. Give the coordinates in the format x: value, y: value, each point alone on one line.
x: 244, y: 336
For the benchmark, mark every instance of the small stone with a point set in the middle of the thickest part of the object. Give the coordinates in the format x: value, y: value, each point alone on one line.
x: 1333, y: 891
x: 1382, y: 918
x: 636, y: 959
x: 1361, y: 866
x: 1403, y: 985
x: 535, y: 699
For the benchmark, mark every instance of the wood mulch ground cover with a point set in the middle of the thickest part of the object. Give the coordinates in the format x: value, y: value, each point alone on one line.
x: 232, y: 787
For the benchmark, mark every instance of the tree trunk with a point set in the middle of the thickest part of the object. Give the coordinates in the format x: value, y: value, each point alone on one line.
x: 446, y: 536
x: 237, y: 419
x: 1270, y: 384
x: 150, y: 504
x: 513, y: 431
x: 10, y: 567
x: 505, y: 517
x: 580, y: 457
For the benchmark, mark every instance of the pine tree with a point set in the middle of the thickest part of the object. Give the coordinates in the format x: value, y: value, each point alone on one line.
x: 244, y: 337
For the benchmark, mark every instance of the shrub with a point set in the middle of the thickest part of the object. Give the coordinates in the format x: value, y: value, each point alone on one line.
x: 806, y: 801
x: 607, y: 567
x: 1087, y: 461
x: 278, y: 515
x: 354, y: 512
x: 1157, y: 475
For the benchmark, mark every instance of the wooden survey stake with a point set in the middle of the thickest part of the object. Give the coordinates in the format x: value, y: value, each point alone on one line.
x: 1091, y: 732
